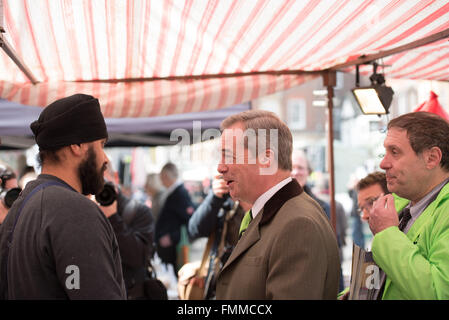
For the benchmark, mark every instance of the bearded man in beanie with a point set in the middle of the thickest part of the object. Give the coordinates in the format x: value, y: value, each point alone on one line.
x: 55, y: 242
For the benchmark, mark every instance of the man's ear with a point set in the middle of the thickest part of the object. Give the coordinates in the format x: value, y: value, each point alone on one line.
x: 432, y: 157
x: 268, y: 162
x: 78, y: 149
x: 265, y: 158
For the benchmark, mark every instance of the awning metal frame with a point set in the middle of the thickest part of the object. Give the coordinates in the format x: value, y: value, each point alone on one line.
x: 8, y: 48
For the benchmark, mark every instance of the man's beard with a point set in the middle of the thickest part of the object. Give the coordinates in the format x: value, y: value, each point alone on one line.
x: 92, y: 180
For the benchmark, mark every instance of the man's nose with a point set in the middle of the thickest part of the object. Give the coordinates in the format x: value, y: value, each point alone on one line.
x: 105, y: 158
x: 384, y: 164
x: 222, y: 168
x: 365, y: 214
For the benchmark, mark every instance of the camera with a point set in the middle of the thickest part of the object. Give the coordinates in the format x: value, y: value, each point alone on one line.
x: 108, y: 195
x: 8, y: 196
x: 227, y: 205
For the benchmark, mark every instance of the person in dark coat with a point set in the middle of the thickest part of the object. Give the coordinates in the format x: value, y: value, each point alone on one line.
x: 9, y: 190
x: 215, y: 211
x: 176, y: 211
x: 55, y: 242
x: 133, y: 225
x: 153, y: 187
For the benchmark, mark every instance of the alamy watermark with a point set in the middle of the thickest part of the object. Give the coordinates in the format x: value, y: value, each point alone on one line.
x: 237, y: 146
x: 72, y: 282
x: 372, y: 280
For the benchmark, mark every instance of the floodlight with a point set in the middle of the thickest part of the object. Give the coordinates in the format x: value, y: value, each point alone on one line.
x: 374, y: 99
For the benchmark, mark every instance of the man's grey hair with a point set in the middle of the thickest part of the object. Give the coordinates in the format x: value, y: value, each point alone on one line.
x: 261, y: 119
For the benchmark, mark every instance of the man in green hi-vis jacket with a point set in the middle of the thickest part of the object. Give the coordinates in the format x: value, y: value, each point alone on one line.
x: 412, y: 249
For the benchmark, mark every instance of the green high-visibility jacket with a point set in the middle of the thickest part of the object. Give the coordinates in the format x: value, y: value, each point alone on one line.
x: 416, y: 263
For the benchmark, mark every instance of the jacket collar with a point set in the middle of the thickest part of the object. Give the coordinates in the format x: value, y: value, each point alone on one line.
x: 252, y: 234
x: 290, y: 190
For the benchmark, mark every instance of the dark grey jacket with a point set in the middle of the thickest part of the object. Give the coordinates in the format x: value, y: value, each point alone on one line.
x: 63, y: 247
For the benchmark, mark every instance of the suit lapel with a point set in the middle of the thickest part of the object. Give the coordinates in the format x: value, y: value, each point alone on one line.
x: 252, y: 233
x: 248, y: 238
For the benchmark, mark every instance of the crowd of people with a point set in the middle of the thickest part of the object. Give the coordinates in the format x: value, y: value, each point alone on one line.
x: 271, y: 235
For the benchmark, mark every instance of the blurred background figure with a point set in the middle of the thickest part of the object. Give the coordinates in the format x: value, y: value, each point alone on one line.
x: 207, y: 186
x: 133, y: 225
x: 221, y: 216
x: 301, y: 170
x: 369, y: 190
x: 175, y: 212
x: 9, y: 190
x: 28, y: 174
x: 358, y: 236
x: 155, y: 189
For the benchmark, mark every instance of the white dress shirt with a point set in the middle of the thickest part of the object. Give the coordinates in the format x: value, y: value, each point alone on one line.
x: 260, y: 202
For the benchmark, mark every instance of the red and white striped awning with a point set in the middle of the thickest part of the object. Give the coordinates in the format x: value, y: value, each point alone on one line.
x: 153, y: 58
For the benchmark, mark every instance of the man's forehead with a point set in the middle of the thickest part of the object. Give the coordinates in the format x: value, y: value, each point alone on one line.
x: 370, y: 191
x: 396, y: 136
x: 232, y: 137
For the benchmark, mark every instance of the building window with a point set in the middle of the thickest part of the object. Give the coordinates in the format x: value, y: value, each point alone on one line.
x: 296, y: 113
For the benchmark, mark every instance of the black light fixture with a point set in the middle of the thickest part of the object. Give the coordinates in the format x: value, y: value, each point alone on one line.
x: 374, y: 99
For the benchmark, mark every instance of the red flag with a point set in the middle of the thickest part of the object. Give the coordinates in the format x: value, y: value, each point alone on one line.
x: 432, y: 105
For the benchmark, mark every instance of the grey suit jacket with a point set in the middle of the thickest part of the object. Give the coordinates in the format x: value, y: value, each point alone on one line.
x: 289, y: 251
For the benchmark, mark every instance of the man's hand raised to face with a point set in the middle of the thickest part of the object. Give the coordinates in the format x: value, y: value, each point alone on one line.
x: 383, y: 214
x: 219, y: 186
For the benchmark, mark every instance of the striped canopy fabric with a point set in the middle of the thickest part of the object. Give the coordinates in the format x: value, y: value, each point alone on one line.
x: 148, y: 58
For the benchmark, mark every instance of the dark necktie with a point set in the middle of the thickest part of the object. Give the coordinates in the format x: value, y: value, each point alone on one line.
x: 404, y: 218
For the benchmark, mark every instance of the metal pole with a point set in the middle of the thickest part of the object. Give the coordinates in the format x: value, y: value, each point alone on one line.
x: 329, y: 80
x: 7, y: 47
x: 364, y: 59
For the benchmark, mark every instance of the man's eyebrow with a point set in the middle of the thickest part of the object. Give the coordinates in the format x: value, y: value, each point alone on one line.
x: 389, y: 145
x: 392, y: 146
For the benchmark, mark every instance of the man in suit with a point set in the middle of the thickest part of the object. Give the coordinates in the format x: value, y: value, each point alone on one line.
x: 176, y: 211
x: 287, y: 248
x: 413, y: 248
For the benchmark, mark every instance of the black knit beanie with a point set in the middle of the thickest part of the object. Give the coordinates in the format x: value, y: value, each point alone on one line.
x: 71, y: 120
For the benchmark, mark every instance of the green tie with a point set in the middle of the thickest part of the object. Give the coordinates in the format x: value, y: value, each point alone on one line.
x: 245, y: 222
